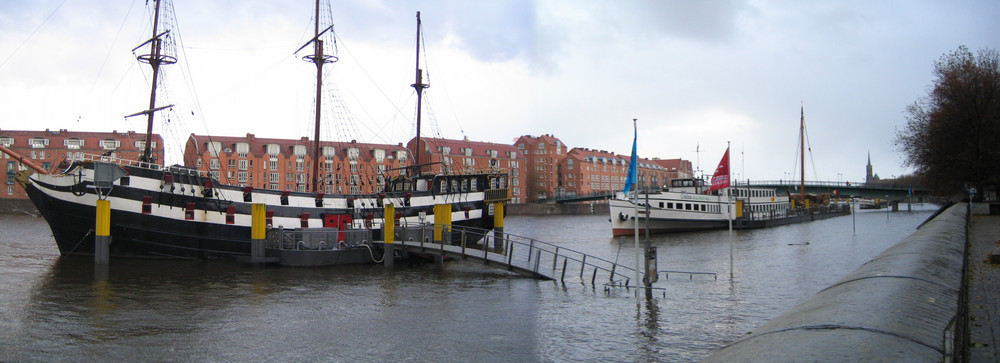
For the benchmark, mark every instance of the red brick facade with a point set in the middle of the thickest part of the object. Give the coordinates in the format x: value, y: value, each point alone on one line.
x: 48, y: 149
x: 286, y: 164
x: 464, y: 156
x: 542, y: 155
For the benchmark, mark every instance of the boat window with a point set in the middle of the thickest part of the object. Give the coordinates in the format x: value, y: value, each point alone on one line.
x: 661, y: 204
x: 670, y: 205
x: 687, y: 206
x: 702, y: 207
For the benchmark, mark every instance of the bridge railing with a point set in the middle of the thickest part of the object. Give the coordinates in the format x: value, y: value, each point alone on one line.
x: 528, y: 254
x: 833, y: 184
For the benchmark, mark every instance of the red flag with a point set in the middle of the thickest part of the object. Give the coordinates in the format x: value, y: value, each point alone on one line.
x: 721, y: 177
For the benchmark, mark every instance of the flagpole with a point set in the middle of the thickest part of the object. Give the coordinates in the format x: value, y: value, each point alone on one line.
x: 635, y: 205
x: 729, y: 192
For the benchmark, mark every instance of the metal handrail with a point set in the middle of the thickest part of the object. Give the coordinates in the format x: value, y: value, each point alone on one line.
x: 542, y: 258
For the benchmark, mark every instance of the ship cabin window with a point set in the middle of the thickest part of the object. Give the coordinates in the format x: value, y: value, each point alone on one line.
x: 687, y: 206
x: 454, y: 185
x: 472, y: 185
x: 661, y: 204
x: 702, y: 207
x: 444, y: 186
x: 670, y: 205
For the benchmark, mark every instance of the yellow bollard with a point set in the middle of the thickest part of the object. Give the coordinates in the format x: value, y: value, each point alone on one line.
x: 102, y: 239
x: 389, y: 224
x: 442, y: 220
x: 258, y: 231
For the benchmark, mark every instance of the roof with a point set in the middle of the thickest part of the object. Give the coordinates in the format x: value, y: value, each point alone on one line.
x: 479, y: 148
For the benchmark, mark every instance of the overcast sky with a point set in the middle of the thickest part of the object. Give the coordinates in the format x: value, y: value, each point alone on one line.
x: 696, y: 74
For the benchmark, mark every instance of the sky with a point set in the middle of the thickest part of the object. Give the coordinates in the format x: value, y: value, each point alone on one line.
x: 696, y: 75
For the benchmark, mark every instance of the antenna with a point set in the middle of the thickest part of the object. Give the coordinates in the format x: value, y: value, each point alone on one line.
x: 697, y: 158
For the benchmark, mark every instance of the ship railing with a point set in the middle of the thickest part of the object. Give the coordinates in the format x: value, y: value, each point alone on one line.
x: 144, y: 165
x: 316, y: 239
x: 544, y: 259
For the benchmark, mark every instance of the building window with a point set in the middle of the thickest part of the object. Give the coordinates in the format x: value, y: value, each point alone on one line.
x: 213, y: 164
x: 274, y: 163
x: 300, y: 164
x: 6, y: 141
x: 243, y: 164
x: 242, y: 177
x: 73, y: 143
x: 198, y: 163
x: 274, y: 177
x: 38, y: 142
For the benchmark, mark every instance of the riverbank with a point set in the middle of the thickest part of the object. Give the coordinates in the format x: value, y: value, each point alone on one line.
x: 930, y: 297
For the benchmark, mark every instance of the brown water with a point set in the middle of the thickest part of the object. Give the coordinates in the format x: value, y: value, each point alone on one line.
x: 56, y: 308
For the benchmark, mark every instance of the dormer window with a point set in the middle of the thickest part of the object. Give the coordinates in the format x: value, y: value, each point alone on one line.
x: 110, y: 144
x: 38, y: 142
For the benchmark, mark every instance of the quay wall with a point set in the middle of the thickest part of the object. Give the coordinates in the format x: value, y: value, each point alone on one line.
x: 538, y: 209
x: 897, y: 307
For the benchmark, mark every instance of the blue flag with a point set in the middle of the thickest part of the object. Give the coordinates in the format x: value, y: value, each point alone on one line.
x: 630, y: 180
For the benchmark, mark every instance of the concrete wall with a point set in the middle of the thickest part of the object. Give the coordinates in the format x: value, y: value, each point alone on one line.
x: 536, y: 209
x: 896, y: 307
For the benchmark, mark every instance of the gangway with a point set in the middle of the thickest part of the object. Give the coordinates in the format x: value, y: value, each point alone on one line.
x: 522, y: 255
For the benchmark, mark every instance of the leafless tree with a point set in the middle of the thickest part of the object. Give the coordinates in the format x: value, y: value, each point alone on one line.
x: 952, y: 136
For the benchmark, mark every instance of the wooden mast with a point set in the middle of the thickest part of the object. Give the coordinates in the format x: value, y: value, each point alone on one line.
x: 154, y: 60
x: 419, y: 86
x: 318, y: 60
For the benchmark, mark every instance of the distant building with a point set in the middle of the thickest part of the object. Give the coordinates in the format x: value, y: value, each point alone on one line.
x: 48, y: 149
x: 869, y: 177
x: 542, y: 154
x: 586, y: 172
x: 286, y: 164
x: 464, y: 156
x: 676, y: 168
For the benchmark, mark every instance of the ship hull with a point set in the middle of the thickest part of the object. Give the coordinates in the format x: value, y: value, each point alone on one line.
x: 183, y: 215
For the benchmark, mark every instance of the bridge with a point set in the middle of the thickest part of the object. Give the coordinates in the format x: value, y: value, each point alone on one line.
x: 522, y: 255
x: 888, y: 190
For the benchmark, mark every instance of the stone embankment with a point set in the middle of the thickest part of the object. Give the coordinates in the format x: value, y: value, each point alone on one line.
x: 902, y: 306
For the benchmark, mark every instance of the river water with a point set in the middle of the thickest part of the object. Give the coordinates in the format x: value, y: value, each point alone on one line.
x: 66, y: 309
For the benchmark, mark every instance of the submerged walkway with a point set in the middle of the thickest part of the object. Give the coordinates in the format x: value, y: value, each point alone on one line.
x: 984, y: 290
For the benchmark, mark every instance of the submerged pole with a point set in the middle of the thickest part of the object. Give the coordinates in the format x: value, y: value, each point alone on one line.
x: 258, y: 231
x: 102, y: 238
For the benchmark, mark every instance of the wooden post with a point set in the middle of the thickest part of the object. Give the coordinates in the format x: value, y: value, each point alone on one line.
x: 388, y: 234
x: 258, y: 231
x: 102, y: 239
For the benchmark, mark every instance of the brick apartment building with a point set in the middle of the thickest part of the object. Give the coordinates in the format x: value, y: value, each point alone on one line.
x: 286, y: 164
x: 585, y: 172
x: 542, y: 155
x: 464, y: 156
x: 676, y: 168
x: 49, y: 148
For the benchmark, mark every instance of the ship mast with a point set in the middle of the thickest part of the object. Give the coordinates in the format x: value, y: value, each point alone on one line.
x: 155, y: 58
x: 318, y: 58
x: 802, y: 142
x: 419, y: 86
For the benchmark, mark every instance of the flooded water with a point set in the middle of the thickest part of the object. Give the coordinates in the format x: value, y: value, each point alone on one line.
x: 67, y: 309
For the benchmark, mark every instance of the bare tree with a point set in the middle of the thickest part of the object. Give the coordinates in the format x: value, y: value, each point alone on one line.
x: 952, y: 136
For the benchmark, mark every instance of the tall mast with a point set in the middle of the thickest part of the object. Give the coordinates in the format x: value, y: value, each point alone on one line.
x: 318, y: 58
x: 802, y: 142
x: 155, y: 58
x: 419, y: 86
